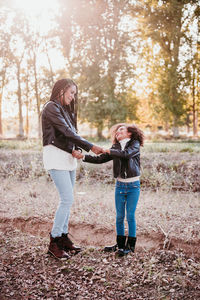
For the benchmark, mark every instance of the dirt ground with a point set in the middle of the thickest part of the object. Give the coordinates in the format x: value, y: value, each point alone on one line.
x: 165, y: 264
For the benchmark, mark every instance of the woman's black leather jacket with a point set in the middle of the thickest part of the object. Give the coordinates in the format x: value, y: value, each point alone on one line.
x: 59, y: 130
x: 126, y: 163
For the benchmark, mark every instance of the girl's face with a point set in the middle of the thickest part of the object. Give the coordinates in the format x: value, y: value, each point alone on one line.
x: 69, y: 95
x: 122, y: 133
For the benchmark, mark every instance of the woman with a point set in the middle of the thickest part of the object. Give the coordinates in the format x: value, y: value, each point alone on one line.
x: 125, y: 153
x: 59, y: 123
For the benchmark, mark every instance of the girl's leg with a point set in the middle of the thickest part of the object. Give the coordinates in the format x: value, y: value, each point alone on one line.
x: 133, y: 194
x: 64, y: 186
x: 72, y: 178
x: 120, y: 200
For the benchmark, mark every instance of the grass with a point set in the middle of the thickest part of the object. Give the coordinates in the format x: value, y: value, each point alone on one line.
x: 159, y: 170
x: 171, y: 147
x: 29, y: 144
x: 168, y: 146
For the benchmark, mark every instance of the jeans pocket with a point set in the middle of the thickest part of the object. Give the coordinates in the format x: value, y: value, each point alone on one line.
x: 136, y: 185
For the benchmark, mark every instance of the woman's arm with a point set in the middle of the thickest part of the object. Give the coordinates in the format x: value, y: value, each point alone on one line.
x: 52, y: 112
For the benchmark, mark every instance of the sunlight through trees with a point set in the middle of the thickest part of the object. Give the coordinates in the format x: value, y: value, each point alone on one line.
x: 134, y: 61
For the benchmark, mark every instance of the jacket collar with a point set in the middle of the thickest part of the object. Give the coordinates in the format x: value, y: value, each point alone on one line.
x: 118, y: 145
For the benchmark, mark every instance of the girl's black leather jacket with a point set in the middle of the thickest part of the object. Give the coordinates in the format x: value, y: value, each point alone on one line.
x: 126, y: 163
x: 59, y: 130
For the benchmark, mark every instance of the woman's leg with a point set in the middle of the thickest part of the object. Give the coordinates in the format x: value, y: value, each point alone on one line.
x: 120, y: 201
x: 133, y: 193
x: 62, y: 180
x: 72, y: 178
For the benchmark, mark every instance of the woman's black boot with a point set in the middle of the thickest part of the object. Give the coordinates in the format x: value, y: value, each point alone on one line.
x: 131, y: 243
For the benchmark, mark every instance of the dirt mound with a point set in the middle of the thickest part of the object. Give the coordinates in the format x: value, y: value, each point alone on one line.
x: 98, y: 236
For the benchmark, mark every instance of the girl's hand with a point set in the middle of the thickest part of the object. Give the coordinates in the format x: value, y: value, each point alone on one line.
x: 107, y: 151
x: 77, y: 154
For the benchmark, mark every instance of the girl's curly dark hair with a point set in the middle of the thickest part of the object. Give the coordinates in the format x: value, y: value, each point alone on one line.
x: 136, y: 133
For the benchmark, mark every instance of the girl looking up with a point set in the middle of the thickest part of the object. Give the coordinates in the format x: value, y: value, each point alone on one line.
x: 125, y: 153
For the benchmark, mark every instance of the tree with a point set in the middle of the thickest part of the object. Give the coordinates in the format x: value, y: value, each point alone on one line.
x: 98, y: 60
x: 195, y: 75
x: 17, y: 52
x: 41, y: 78
x: 5, y: 37
x: 163, y: 22
x: 192, y: 66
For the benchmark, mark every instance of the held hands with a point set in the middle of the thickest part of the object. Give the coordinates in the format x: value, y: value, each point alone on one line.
x: 107, y: 151
x: 98, y: 150
x: 95, y: 149
x: 77, y: 154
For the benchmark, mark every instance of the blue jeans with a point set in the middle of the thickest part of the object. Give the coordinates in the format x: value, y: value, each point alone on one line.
x: 64, y: 181
x: 126, y: 198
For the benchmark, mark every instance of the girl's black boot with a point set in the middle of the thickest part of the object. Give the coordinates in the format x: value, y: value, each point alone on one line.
x: 131, y: 241
x: 110, y: 248
x: 121, y: 240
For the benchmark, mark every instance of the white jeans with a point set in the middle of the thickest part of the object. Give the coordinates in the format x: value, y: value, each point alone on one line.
x: 64, y: 181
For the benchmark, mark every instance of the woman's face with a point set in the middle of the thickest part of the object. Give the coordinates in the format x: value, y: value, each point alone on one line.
x: 69, y: 95
x: 122, y: 133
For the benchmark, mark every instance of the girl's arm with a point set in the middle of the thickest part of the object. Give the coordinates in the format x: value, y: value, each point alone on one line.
x: 102, y: 158
x: 131, y: 151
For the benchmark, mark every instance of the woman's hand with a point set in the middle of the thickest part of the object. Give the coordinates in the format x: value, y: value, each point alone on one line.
x: 97, y: 150
x: 77, y: 154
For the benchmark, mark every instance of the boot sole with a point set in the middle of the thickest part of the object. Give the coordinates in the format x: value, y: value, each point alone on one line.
x: 122, y: 253
x: 108, y: 250
x: 72, y: 251
x: 59, y: 258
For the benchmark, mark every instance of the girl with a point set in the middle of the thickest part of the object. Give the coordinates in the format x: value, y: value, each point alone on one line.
x: 125, y: 153
x: 59, y: 141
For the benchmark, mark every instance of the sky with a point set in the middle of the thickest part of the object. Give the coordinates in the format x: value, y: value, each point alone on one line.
x: 40, y: 14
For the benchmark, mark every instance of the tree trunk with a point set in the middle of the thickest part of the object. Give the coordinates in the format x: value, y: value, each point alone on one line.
x: 1, y: 98
x: 166, y: 125
x: 99, y: 131
x: 195, y: 124
x: 49, y: 62
x: 27, y: 107
x: 19, y: 97
x: 37, y: 96
x: 27, y: 119
x: 194, y: 110
x: 175, y: 63
x: 188, y: 123
x: 1, y: 127
x: 175, y: 130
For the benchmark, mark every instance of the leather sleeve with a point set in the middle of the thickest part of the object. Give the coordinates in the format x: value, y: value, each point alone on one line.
x: 102, y: 158
x: 54, y: 116
x: 132, y: 150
